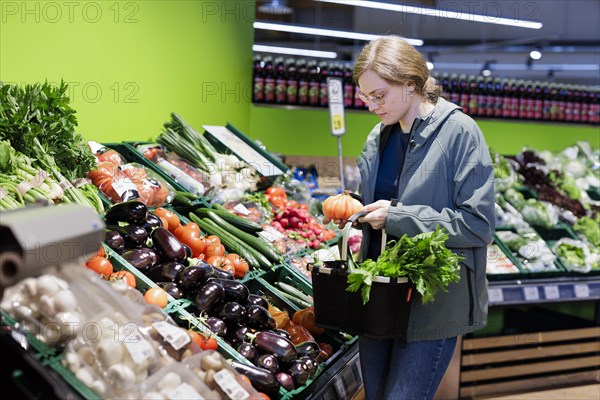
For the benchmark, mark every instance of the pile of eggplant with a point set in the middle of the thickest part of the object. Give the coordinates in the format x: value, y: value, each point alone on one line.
x: 141, y: 240
x: 225, y: 305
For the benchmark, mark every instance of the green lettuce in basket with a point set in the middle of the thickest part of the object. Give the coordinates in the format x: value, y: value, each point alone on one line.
x: 424, y: 259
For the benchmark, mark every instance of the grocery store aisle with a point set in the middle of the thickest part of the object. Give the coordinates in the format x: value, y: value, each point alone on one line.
x: 588, y: 392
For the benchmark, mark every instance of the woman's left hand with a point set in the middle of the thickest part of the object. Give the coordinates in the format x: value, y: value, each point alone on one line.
x: 378, y: 213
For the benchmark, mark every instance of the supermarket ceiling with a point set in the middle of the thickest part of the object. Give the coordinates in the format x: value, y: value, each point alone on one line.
x: 458, y: 36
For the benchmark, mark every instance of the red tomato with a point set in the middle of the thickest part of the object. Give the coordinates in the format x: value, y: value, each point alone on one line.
x: 212, y: 239
x: 101, y: 252
x: 100, y: 265
x: 156, y: 296
x: 214, y: 250
x: 194, y: 227
x: 240, y: 266
x: 197, y: 245
x: 216, y: 261
x: 127, y: 276
x: 173, y: 221
x: 275, y: 191
x: 205, y: 342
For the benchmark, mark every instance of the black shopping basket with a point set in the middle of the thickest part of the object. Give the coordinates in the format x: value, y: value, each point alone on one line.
x: 384, y: 316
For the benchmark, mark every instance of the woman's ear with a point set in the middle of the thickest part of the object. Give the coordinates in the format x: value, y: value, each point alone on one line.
x: 410, y: 87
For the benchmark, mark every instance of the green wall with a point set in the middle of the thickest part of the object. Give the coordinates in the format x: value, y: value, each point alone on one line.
x: 132, y: 63
x: 306, y: 132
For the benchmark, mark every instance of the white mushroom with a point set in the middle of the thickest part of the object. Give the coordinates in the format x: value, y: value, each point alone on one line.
x: 30, y: 287
x: 120, y: 376
x: 153, y: 396
x: 109, y: 352
x: 46, y: 305
x: 48, y: 284
x: 72, y: 361
x: 170, y: 381
x: 99, y: 387
x: 87, y: 355
x: 65, y: 301
x: 85, y: 375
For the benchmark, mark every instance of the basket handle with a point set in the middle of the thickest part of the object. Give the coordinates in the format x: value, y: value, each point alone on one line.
x: 344, y: 254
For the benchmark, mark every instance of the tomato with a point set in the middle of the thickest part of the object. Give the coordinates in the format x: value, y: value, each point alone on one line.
x: 240, y: 266
x: 127, y: 276
x: 194, y: 227
x: 179, y: 231
x: 186, y: 234
x: 164, y: 222
x: 205, y: 342
x: 101, y: 252
x: 100, y: 265
x: 212, y: 239
x: 196, y: 244
x: 228, y: 266
x: 212, y: 249
x: 275, y: 191
x: 156, y: 296
x: 216, y: 261
x: 173, y: 221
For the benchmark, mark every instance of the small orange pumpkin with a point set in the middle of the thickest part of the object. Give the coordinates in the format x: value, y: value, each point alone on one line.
x: 341, y: 206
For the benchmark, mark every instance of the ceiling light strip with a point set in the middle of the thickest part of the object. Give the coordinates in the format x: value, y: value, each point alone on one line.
x: 324, y: 32
x: 433, y: 12
x: 293, y: 51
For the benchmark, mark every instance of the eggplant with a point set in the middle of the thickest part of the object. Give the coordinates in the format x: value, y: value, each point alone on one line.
x: 285, y: 380
x: 143, y: 259
x: 165, y: 272
x: 238, y: 336
x: 209, y: 296
x: 151, y: 222
x: 258, y: 317
x: 167, y: 245
x: 220, y: 273
x: 248, y: 351
x: 193, y: 277
x: 128, y: 211
x: 283, y: 333
x: 258, y: 300
x: 234, y: 290
x: 172, y: 289
x: 299, y: 372
x: 217, y: 325
x: 310, y: 349
x: 188, y: 251
x: 260, y: 378
x: 231, y: 311
x: 114, y: 240
x: 134, y: 235
x: 268, y: 362
x: 272, y: 343
x: 311, y: 364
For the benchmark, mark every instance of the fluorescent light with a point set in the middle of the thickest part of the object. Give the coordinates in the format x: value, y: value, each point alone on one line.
x: 433, y: 12
x: 296, y: 52
x: 519, y: 67
x: 535, y: 54
x: 325, y: 32
x: 429, y: 65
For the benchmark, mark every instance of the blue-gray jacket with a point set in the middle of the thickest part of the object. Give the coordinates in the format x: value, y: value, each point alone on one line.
x: 447, y: 179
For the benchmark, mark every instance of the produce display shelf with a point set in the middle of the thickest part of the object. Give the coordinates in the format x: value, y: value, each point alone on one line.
x: 41, y: 351
x: 544, y: 290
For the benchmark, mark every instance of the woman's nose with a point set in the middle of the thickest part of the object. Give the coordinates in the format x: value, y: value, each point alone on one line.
x: 373, y: 106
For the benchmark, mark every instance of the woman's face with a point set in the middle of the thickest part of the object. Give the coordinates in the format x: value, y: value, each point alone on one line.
x: 396, y: 98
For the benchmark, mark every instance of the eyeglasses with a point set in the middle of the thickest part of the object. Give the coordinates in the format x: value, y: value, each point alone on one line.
x: 377, y: 99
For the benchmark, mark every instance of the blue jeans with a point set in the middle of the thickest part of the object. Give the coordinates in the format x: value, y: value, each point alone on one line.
x: 412, y: 371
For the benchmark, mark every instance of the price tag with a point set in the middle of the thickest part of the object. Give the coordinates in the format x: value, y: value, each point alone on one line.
x: 230, y: 385
x: 95, y: 147
x: 335, y: 93
x: 176, y: 337
x: 531, y: 293
x: 495, y: 295
x: 139, y: 349
x: 185, y: 391
x: 241, y: 209
x: 582, y: 291
x: 124, y: 186
x: 551, y: 292
x: 271, y: 234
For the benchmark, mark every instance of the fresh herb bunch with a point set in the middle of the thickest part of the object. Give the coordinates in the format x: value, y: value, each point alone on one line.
x: 39, y: 122
x: 424, y: 259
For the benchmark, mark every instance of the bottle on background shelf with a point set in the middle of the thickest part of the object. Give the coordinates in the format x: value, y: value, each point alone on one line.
x: 481, y: 96
x: 323, y: 89
x: 498, y: 97
x: 280, y: 82
x: 454, y: 89
x: 313, y: 83
x: 348, y: 83
x: 585, y: 105
x: 269, y: 81
x: 258, y: 80
x: 538, y: 102
x: 291, y: 82
x: 302, y: 82
x: 490, y: 97
x: 463, y: 89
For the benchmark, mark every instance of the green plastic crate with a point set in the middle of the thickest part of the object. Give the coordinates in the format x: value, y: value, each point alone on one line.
x: 81, y: 389
x: 41, y: 351
x: 504, y: 248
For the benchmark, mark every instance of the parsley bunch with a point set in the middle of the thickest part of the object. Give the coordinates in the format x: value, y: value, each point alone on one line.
x: 424, y: 259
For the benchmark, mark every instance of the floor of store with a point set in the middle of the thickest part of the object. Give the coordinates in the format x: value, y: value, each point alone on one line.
x: 587, y: 392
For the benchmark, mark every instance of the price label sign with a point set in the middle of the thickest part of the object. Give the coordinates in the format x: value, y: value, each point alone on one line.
x: 531, y: 293
x: 551, y: 292
x: 496, y: 295
x: 335, y: 93
x: 582, y: 291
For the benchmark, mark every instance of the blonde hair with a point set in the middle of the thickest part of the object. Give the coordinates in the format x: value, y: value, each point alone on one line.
x: 397, y: 63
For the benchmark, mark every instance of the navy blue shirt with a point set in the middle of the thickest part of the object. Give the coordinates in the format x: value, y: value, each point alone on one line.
x: 386, y: 187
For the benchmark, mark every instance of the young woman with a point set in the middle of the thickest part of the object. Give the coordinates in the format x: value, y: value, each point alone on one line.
x: 426, y: 164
